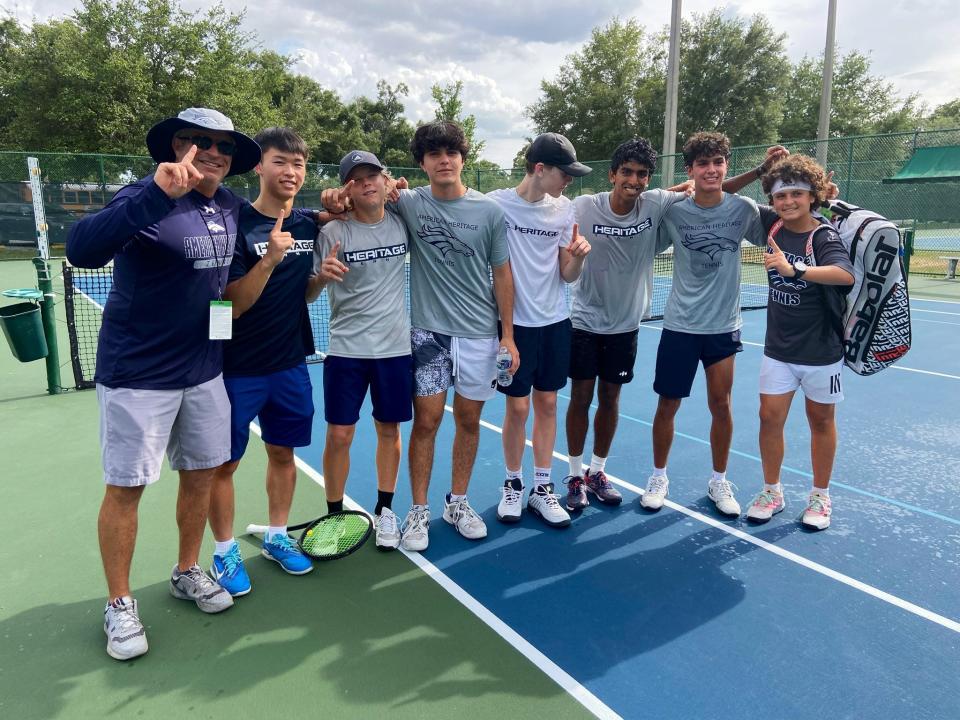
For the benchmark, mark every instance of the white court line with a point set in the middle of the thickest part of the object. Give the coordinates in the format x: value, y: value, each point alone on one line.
x: 894, y: 367
x: 932, y: 300
x: 935, y: 322
x: 776, y: 550
x: 579, y: 693
x: 934, y: 312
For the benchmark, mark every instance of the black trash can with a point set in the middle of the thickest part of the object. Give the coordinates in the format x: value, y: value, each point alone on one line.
x: 24, y: 331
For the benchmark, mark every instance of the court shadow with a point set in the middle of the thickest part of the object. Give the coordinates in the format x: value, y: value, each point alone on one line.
x: 614, y: 587
x: 349, y: 635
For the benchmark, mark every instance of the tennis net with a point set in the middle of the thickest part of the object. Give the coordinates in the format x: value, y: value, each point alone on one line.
x: 86, y: 291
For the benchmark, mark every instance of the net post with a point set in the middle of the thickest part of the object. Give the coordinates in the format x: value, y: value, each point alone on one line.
x: 48, y: 318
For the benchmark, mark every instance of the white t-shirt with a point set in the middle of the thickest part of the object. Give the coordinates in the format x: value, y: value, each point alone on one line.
x: 535, y: 233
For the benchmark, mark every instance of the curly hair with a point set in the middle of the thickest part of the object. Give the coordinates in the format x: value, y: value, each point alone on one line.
x: 705, y: 144
x: 636, y: 150
x: 798, y: 168
x: 439, y: 135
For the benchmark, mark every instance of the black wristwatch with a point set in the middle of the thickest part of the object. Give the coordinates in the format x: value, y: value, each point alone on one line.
x: 799, y: 268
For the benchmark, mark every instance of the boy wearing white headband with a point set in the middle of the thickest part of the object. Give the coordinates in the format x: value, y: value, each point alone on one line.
x: 802, y: 348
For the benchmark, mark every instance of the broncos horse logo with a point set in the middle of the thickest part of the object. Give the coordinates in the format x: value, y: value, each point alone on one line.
x: 444, y: 240
x: 709, y: 243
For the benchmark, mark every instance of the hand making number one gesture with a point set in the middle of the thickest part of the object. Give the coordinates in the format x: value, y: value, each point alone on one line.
x: 337, y: 200
x: 278, y: 244
x: 775, y: 259
x: 578, y: 246
x: 176, y: 179
x: 331, y: 268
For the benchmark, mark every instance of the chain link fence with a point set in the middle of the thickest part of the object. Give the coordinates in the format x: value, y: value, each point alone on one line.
x: 77, y: 184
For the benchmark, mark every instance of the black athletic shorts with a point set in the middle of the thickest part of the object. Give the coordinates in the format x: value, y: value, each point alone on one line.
x: 544, y: 358
x: 679, y: 354
x: 609, y: 357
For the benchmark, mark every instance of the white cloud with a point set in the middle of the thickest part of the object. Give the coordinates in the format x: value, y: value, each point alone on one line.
x: 502, y: 49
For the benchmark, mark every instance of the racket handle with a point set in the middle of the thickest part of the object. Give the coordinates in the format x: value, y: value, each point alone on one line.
x: 257, y: 529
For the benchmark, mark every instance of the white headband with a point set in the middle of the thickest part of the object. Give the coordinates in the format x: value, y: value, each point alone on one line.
x: 781, y: 186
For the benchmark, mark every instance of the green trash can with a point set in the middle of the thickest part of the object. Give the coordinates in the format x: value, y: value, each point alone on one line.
x: 24, y: 331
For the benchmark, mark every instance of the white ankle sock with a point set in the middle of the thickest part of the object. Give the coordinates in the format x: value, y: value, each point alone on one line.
x: 222, y: 547
x: 659, y: 472
x: 576, y: 465
x: 541, y: 476
x: 778, y: 488
x: 718, y: 476
x: 823, y: 491
x: 276, y: 530
x: 597, y: 464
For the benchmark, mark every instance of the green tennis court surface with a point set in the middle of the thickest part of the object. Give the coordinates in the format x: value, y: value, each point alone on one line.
x: 369, y: 635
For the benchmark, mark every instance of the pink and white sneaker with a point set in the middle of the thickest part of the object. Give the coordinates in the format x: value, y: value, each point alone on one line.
x: 817, y: 514
x: 765, y: 506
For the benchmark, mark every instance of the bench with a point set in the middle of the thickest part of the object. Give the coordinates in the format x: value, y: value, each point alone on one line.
x: 952, y: 261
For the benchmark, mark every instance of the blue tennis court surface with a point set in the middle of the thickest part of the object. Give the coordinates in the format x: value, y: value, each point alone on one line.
x: 682, y: 614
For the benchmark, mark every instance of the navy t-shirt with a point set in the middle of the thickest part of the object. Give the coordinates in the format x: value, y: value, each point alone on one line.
x: 170, y: 260
x: 274, y: 334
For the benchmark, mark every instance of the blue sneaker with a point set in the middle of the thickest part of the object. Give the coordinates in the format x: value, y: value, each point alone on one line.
x: 282, y: 549
x: 228, y: 571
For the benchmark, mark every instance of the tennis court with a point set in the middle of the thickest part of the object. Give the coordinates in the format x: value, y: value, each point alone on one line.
x: 678, y: 614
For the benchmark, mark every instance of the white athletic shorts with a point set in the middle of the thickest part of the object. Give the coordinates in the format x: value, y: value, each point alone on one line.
x: 439, y: 361
x: 820, y: 383
x: 136, y: 426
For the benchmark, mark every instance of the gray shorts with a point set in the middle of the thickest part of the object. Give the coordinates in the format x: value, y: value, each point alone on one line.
x: 136, y: 426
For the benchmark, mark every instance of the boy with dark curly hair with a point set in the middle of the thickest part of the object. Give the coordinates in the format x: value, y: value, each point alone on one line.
x: 809, y: 271
x: 610, y: 299
x: 701, y: 322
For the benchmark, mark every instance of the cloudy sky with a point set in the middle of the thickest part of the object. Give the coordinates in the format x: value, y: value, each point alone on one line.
x: 502, y: 49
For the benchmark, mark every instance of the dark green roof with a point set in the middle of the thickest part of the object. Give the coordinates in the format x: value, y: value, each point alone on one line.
x: 930, y: 164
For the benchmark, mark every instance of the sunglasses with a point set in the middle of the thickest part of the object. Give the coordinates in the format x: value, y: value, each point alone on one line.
x: 203, y: 142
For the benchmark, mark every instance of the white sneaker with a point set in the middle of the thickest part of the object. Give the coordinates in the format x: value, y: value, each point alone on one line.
x: 415, y: 530
x: 721, y: 492
x: 546, y: 504
x: 126, y: 637
x: 387, y: 528
x: 511, y: 504
x: 656, y: 492
x: 465, y: 519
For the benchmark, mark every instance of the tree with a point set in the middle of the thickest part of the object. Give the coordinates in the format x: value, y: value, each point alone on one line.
x: 731, y: 73
x: 450, y: 108
x: 861, y: 104
x: 944, y: 117
x: 386, y: 130
x: 611, y: 90
x: 615, y: 87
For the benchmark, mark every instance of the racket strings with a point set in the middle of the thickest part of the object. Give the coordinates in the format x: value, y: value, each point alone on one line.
x: 335, y: 534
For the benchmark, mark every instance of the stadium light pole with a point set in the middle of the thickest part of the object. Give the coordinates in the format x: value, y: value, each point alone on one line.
x: 673, y: 82
x: 823, y: 126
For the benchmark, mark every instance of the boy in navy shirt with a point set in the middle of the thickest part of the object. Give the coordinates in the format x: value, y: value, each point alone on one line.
x: 264, y: 365
x: 159, y: 384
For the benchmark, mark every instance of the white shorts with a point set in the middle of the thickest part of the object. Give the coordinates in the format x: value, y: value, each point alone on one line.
x: 820, y: 383
x: 136, y: 426
x: 439, y: 361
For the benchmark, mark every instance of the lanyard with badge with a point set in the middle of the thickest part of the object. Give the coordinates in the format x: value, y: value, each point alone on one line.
x: 221, y: 311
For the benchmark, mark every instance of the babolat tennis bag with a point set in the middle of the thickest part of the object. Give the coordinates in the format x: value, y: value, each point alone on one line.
x: 876, y: 322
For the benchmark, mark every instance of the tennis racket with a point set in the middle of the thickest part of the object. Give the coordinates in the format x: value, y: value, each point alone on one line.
x: 332, y: 536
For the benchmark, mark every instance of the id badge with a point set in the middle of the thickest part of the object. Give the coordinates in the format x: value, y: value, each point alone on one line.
x: 221, y: 320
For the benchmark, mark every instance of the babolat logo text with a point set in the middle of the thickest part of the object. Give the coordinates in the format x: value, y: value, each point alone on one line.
x: 872, y: 294
x: 536, y: 231
x: 380, y: 253
x: 618, y: 231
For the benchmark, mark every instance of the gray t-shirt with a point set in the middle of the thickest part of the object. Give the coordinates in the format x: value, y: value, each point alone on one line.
x: 368, y: 310
x: 803, y: 319
x: 613, y: 292
x: 454, y: 245
x: 705, y: 294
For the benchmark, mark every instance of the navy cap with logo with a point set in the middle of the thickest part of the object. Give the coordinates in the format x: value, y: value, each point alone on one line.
x: 554, y: 149
x: 354, y: 158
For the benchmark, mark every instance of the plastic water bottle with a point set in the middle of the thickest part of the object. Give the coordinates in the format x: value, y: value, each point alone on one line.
x: 504, y: 361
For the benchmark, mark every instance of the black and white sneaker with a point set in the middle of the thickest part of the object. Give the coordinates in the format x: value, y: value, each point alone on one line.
x: 546, y: 505
x: 511, y: 504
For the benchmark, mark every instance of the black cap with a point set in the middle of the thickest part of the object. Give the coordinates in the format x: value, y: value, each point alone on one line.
x: 354, y: 158
x: 554, y: 149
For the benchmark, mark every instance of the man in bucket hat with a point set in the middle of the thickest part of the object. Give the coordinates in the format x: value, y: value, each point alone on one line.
x: 159, y: 379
